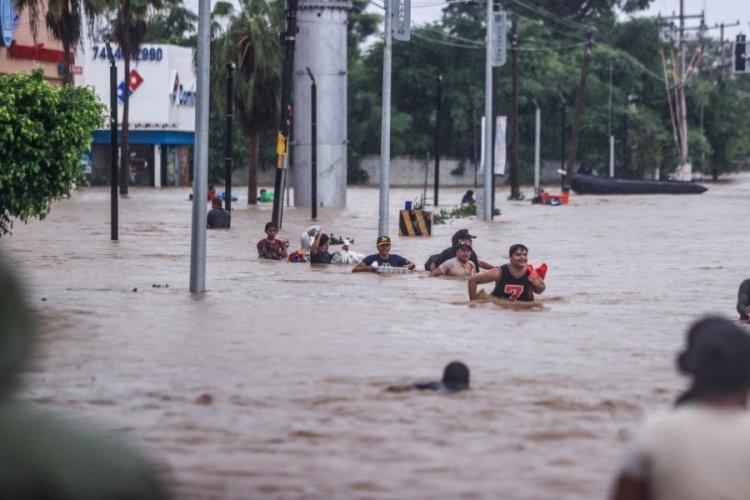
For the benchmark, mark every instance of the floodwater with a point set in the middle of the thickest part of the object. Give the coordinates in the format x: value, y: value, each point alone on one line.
x: 271, y: 383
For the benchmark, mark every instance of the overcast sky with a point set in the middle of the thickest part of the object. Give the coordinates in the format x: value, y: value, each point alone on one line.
x: 716, y: 12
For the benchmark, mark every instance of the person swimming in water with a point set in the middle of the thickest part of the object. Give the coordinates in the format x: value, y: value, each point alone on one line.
x: 455, y: 379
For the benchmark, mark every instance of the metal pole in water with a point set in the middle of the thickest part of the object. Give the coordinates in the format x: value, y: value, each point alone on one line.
x: 200, y: 176
x: 385, y: 123
x: 113, y: 140
x: 228, y: 138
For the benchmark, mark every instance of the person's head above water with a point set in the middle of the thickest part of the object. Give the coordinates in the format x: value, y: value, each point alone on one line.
x: 456, y: 376
x: 515, y: 248
x: 461, y: 234
x: 717, y: 357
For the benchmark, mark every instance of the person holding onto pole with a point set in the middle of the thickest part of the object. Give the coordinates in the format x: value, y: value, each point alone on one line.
x: 384, y: 258
x: 515, y: 281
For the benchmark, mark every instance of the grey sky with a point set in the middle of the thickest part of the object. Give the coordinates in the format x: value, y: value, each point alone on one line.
x: 716, y: 12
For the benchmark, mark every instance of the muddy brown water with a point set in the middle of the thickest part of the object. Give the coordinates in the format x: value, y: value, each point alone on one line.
x: 271, y: 383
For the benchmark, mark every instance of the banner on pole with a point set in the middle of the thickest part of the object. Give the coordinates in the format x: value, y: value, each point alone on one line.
x: 480, y: 170
x: 401, y: 14
x: 501, y: 124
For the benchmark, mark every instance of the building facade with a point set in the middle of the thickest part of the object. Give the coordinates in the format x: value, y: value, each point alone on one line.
x: 20, y: 53
x: 161, y: 119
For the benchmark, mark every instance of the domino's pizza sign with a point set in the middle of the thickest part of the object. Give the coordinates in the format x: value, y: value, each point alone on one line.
x: 8, y: 19
x: 134, y: 81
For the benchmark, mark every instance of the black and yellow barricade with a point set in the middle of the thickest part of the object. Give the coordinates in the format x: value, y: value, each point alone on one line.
x: 415, y: 223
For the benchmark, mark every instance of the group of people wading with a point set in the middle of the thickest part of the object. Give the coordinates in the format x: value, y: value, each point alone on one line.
x: 515, y: 281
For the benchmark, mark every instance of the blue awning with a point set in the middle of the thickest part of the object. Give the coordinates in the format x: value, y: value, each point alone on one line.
x: 172, y: 137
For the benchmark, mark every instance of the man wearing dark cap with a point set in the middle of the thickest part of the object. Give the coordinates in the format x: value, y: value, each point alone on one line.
x: 384, y: 258
x: 460, y: 236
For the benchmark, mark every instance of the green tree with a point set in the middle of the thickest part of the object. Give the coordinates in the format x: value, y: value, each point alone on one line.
x: 252, y: 43
x: 175, y: 25
x: 43, y: 133
x: 64, y: 19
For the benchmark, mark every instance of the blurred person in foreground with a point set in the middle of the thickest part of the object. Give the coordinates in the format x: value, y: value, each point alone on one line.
x: 700, y: 450
x: 743, y: 300
x: 43, y: 456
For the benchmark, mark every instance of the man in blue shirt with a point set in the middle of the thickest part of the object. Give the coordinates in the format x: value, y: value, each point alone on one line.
x: 384, y: 258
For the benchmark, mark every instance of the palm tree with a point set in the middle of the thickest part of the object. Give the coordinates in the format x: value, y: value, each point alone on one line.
x: 252, y: 42
x: 129, y: 31
x: 64, y: 20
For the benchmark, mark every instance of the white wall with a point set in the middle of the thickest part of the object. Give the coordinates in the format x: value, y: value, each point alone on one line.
x: 154, y: 104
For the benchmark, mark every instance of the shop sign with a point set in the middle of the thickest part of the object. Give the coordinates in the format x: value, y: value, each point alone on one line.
x: 147, y: 53
x: 181, y: 96
x: 8, y: 20
x: 134, y: 81
x: 38, y: 53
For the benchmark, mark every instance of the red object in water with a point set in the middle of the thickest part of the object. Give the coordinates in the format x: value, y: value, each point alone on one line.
x: 541, y: 270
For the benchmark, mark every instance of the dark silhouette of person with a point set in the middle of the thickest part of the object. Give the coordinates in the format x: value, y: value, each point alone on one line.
x: 43, y: 456
x: 455, y: 379
x: 468, y: 198
x: 217, y: 217
x: 698, y: 449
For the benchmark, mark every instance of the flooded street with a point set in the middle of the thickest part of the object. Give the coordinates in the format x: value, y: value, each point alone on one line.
x: 271, y: 384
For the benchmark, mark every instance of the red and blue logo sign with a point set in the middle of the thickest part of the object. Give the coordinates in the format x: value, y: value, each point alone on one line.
x: 134, y: 81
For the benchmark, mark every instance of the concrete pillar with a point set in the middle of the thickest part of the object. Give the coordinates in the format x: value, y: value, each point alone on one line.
x: 320, y: 46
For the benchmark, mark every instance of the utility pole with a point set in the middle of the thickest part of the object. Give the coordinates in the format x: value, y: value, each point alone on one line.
x: 609, y: 128
x: 113, y: 142
x: 285, y: 119
x: 228, y: 140
x: 684, y: 169
x: 200, y: 175
x: 488, y: 121
x: 437, y: 137
x: 385, y: 123
x: 563, y: 103
x: 313, y: 145
x: 578, y: 111
x: 495, y: 56
x: 515, y: 192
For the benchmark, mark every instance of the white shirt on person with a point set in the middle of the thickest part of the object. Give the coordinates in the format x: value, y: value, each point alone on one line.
x: 694, y: 452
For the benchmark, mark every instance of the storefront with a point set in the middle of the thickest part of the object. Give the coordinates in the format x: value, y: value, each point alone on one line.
x: 161, y: 116
x: 20, y: 53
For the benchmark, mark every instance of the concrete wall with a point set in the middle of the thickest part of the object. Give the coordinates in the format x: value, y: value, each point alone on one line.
x: 411, y: 171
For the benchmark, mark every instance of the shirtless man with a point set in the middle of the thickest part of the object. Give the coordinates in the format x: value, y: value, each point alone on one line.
x: 513, y: 281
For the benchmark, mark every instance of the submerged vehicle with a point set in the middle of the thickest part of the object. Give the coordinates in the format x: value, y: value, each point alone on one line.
x: 592, y: 184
